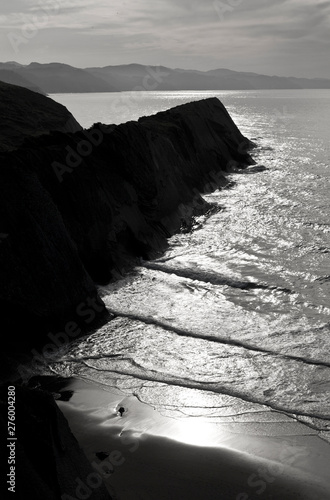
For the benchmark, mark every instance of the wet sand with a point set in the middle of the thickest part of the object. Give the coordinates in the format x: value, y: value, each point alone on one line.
x: 144, y: 455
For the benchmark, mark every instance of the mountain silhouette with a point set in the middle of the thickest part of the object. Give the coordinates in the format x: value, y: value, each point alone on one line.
x: 62, y: 78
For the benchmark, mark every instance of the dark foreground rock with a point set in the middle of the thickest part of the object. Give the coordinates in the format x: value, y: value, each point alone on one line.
x: 77, y: 207
x: 75, y: 210
x: 24, y: 113
x: 47, y: 459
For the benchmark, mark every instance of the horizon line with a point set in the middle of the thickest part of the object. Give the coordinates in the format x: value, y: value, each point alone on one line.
x: 168, y: 67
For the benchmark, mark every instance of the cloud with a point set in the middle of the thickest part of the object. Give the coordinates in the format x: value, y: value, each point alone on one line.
x: 247, y: 34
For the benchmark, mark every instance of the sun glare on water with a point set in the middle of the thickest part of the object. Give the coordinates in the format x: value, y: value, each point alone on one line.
x: 198, y: 433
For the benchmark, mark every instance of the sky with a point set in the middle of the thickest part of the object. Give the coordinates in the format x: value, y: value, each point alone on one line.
x: 273, y: 37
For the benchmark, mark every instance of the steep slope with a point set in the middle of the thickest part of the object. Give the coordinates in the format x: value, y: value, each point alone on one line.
x: 24, y: 113
x: 76, y: 208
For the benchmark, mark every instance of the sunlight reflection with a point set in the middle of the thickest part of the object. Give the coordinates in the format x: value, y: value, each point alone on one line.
x: 199, y: 433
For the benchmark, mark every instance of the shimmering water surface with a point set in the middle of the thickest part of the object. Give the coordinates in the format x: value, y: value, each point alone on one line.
x: 234, y: 319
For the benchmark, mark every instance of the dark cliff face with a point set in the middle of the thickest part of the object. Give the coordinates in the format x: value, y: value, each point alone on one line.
x: 49, y: 463
x: 24, y: 113
x: 76, y: 207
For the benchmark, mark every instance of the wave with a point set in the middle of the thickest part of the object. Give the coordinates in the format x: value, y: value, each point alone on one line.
x: 211, y: 338
x: 313, y: 419
x: 212, y: 278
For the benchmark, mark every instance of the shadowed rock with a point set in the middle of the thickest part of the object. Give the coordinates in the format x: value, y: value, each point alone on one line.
x: 24, y: 113
x: 50, y: 464
x: 77, y: 208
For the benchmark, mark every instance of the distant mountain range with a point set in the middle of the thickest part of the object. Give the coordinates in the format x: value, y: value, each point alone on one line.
x: 55, y: 78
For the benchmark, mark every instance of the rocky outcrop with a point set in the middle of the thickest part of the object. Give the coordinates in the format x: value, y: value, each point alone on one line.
x: 75, y: 208
x: 45, y: 462
x: 25, y: 113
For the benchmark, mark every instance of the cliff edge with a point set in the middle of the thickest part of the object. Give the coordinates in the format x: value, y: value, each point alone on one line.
x: 76, y: 207
x: 25, y: 113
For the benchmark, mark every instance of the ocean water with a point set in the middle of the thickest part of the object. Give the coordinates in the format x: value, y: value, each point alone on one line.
x: 234, y: 319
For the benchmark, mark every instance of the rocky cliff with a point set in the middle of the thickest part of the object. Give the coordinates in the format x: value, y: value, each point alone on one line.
x: 76, y: 207
x: 24, y: 113
x: 45, y: 462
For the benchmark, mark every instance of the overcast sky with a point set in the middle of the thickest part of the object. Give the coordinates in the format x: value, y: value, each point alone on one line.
x: 283, y: 37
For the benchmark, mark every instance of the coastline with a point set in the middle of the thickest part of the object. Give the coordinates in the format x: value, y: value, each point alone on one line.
x: 143, y: 454
x: 104, y: 215
x: 156, y: 457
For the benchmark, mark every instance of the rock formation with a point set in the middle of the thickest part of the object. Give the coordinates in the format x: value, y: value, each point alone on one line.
x: 75, y: 207
x: 25, y: 113
x: 47, y: 461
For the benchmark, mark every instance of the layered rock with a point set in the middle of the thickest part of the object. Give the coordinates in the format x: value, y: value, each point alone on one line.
x: 76, y: 207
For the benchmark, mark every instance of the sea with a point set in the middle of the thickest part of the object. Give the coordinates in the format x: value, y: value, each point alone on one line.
x: 233, y: 319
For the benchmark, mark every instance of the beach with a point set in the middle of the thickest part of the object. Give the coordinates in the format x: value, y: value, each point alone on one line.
x: 193, y: 344
x: 142, y: 454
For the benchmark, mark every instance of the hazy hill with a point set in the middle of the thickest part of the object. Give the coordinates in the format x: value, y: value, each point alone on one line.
x: 25, y: 113
x: 9, y: 76
x: 314, y: 83
x: 137, y: 76
x: 131, y: 76
x: 256, y: 81
x: 61, y: 78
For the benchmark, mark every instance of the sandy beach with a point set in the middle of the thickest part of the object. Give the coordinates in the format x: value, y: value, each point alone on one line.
x: 142, y: 454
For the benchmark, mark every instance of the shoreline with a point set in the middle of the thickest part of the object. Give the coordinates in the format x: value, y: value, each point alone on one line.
x: 143, y: 454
